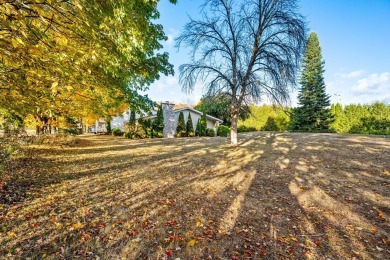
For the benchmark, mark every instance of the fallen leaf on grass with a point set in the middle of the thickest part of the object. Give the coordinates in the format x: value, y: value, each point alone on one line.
x: 58, y: 226
x: 249, y: 252
x: 348, y: 199
x: 381, y: 214
x: 235, y: 257
x: 168, y: 252
x: 191, y: 243
x: 379, y: 248
x: 373, y: 228
x: 35, y: 225
x: 11, y: 234
x: 78, y: 225
x: 170, y: 223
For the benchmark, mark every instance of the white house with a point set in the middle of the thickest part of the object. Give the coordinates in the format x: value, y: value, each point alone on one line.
x: 212, y: 122
x: 171, y: 119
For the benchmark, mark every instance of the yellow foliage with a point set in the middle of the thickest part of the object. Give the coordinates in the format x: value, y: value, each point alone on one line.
x: 78, y: 225
x: 30, y: 122
x: 191, y: 243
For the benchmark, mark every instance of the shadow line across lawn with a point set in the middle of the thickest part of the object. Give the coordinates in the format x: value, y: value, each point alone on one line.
x: 276, y: 195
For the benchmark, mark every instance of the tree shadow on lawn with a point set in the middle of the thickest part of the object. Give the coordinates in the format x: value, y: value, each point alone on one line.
x: 43, y: 166
x: 274, y: 196
x: 114, y: 186
x: 328, y: 200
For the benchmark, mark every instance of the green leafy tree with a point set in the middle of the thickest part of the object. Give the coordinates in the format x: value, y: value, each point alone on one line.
x: 189, y: 126
x: 181, y: 126
x: 259, y: 117
x: 362, y: 119
x: 158, y: 123
x: 270, y: 125
x: 219, y: 106
x: 313, y: 112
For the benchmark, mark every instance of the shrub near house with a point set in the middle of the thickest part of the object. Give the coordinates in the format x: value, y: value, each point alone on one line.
x: 116, y: 132
x: 210, y: 132
x: 223, y: 131
x: 189, y: 126
x: 181, y: 126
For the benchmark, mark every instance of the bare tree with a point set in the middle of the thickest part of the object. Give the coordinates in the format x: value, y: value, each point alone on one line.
x: 247, y: 49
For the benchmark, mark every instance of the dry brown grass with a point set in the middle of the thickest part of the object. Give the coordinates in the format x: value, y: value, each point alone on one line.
x: 275, y: 196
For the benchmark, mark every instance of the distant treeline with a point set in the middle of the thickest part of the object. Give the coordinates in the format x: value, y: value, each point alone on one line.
x: 354, y: 118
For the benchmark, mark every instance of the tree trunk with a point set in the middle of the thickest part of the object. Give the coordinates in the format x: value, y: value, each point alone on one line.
x: 233, y: 129
x: 108, y: 126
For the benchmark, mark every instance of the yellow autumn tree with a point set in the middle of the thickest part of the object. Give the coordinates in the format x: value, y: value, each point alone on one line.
x: 77, y: 58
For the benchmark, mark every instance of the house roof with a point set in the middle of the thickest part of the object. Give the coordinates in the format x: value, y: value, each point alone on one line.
x: 194, y: 111
x: 198, y: 112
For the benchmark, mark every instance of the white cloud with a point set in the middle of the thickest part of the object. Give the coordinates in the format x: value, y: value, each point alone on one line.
x: 350, y: 75
x: 171, y: 35
x: 165, y: 83
x: 386, y: 100
x: 374, y: 84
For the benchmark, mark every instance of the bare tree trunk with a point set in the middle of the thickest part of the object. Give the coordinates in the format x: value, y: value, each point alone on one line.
x: 233, y: 129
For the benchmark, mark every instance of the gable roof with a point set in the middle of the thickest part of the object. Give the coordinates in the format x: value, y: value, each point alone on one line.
x: 194, y: 111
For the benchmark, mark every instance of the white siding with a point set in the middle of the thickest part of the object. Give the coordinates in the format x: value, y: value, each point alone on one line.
x: 194, y: 117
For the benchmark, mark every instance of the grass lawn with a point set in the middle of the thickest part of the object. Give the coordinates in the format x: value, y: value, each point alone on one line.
x: 275, y: 196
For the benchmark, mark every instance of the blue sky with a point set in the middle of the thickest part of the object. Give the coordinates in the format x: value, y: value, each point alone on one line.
x: 354, y: 36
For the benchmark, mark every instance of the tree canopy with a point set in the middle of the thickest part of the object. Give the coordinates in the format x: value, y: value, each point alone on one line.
x: 244, y: 49
x: 78, y: 58
x: 362, y: 119
x: 219, y: 106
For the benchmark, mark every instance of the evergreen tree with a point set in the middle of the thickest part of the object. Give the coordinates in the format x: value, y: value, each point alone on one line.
x: 181, y: 126
x: 313, y: 113
x: 198, y: 129
x: 189, y: 127
x: 158, y: 124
